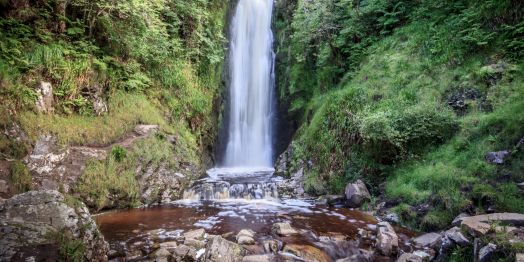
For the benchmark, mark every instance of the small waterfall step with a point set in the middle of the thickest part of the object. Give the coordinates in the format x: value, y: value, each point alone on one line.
x: 233, y: 184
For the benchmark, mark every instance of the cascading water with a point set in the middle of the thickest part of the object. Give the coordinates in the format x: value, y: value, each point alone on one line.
x: 251, y: 87
x: 247, y: 168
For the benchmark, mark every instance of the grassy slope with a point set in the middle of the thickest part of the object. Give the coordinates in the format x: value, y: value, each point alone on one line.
x: 391, y: 123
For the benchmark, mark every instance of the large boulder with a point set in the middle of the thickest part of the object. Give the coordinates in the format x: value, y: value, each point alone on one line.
x: 387, y: 239
x: 221, y: 250
x: 356, y: 194
x: 38, y: 223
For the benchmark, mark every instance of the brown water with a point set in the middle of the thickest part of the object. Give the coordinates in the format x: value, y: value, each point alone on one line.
x: 142, y: 228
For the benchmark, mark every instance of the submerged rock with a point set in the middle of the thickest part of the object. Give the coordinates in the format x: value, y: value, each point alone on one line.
x: 387, y: 239
x: 30, y: 220
x: 356, y: 194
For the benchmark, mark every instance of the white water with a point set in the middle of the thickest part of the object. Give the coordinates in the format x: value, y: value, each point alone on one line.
x: 251, y: 86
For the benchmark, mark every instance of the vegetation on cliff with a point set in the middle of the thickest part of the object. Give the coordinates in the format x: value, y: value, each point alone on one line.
x: 408, y: 96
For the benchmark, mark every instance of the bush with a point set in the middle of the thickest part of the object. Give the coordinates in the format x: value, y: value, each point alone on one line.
x: 118, y: 153
x: 20, y: 176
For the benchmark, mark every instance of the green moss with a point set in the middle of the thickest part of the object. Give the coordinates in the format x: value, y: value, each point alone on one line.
x: 20, y: 176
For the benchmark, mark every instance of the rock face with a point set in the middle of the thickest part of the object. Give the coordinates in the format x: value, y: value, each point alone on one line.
x: 221, y: 250
x: 30, y: 219
x: 44, y: 102
x: 387, y: 239
x: 356, y: 194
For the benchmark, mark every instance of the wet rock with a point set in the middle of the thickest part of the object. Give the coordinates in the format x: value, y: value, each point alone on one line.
x: 486, y: 252
x: 431, y: 240
x: 146, y: 129
x: 45, y: 100
x: 306, y: 252
x: 246, y: 237
x: 30, y: 218
x: 387, y: 239
x: 272, y: 246
x: 456, y: 236
x: 221, y: 250
x: 259, y: 258
x: 292, y: 187
x: 284, y: 229
x: 356, y: 194
x: 497, y: 157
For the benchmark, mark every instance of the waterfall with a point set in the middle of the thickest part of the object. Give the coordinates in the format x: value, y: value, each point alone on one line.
x: 251, y: 60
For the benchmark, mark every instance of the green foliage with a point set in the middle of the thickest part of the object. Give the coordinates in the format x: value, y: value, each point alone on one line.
x: 118, y: 153
x: 20, y: 176
x: 70, y: 248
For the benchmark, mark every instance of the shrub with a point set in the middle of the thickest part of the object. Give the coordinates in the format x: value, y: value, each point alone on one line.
x: 20, y: 176
x: 118, y: 153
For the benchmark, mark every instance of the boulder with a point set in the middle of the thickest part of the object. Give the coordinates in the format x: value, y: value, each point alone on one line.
x: 272, y: 246
x: 497, y: 157
x: 307, y: 252
x: 185, y: 253
x: 456, y: 236
x: 431, y: 240
x: 356, y: 194
x: 170, y: 245
x: 143, y: 130
x: 221, y: 250
x: 486, y: 252
x: 161, y: 255
x: 387, y: 239
x: 246, y: 237
x: 284, y: 229
x: 30, y: 220
x: 45, y: 100
x: 197, y: 234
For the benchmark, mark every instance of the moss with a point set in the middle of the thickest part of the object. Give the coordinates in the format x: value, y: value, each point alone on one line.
x: 20, y: 176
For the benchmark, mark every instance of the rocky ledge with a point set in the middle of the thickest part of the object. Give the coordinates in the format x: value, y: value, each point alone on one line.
x: 44, y: 226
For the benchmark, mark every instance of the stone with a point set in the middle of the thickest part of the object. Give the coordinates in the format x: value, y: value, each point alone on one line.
x: 519, y: 257
x: 497, y: 157
x: 45, y: 100
x: 387, y: 239
x: 48, y: 184
x: 292, y: 187
x: 356, y: 194
x: 458, y: 220
x: 170, y: 245
x: 284, y: 229
x: 431, y: 240
x: 307, y: 252
x: 456, y: 236
x: 4, y: 188
x: 423, y: 255
x: 480, y: 225
x: 195, y: 234
x: 99, y: 105
x: 272, y: 246
x: 160, y: 254
x: 29, y: 218
x: 520, y: 185
x: 195, y: 243
x: 221, y: 250
x: 185, y: 253
x: 486, y: 252
x: 259, y: 258
x: 392, y: 218
x: 146, y: 129
x: 409, y: 257
x: 246, y: 237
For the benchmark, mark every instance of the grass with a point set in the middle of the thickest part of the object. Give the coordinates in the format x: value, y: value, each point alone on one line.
x: 20, y: 176
x: 126, y: 111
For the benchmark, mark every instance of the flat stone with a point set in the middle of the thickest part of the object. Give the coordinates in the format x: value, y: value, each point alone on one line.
x: 197, y: 234
x: 387, y: 239
x: 431, y: 240
x: 284, y: 229
x: 480, y: 225
x: 259, y: 258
